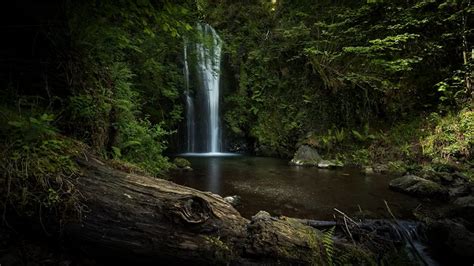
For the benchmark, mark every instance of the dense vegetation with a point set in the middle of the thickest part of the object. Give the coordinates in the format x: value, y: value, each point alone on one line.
x: 335, y: 69
x: 363, y: 82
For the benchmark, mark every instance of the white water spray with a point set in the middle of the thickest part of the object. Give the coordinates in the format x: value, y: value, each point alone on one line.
x: 208, y: 59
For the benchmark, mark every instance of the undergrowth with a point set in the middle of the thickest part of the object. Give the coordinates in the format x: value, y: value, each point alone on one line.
x: 435, y: 140
x: 37, y: 170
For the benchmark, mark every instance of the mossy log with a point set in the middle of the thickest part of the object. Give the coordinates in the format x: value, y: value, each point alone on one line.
x: 140, y: 218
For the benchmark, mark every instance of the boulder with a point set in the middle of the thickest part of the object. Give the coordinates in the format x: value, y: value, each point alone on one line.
x: 459, y: 191
x: 368, y: 170
x: 453, y: 240
x: 420, y: 187
x: 381, y: 168
x: 306, y: 156
x: 467, y: 201
x: 233, y: 200
x: 182, y: 163
x: 463, y: 208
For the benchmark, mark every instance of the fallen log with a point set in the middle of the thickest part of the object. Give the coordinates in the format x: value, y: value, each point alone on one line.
x: 141, y: 218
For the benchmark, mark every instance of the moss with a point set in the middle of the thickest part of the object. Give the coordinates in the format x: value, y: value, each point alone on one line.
x: 397, y: 167
x: 452, y: 136
x: 127, y: 167
x: 222, y: 252
x: 353, y: 255
x: 181, y: 162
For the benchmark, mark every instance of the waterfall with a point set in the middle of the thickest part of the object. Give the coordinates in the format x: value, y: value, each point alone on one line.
x: 190, y: 121
x: 202, y: 110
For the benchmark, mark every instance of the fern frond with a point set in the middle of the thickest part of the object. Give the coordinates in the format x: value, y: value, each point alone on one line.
x: 328, y: 244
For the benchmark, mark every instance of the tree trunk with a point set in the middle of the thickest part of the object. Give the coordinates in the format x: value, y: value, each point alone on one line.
x: 145, y: 219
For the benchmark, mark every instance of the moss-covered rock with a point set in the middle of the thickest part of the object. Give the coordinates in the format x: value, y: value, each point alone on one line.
x: 306, y: 156
x: 181, y: 162
x: 420, y: 187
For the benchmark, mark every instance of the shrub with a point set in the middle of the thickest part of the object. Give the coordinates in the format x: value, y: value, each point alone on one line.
x: 143, y: 144
x: 452, y: 137
x: 37, y: 170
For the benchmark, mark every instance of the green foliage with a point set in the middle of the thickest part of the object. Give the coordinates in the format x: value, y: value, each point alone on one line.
x: 37, y: 170
x: 364, y: 135
x: 328, y: 244
x: 125, y: 79
x: 318, y: 65
x: 181, y: 162
x: 143, y: 144
x: 333, y: 140
x: 452, y: 137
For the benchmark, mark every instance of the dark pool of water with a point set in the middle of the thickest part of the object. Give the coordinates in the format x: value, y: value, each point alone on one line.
x: 272, y: 185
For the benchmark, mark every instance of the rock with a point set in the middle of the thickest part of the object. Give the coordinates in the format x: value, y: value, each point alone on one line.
x: 446, y: 178
x: 181, y: 162
x: 329, y: 164
x: 452, y: 239
x: 368, y: 170
x: 459, y: 191
x: 459, y: 182
x: 306, y: 156
x: 233, y: 200
x: 380, y: 168
x: 463, y: 208
x: 461, y: 176
x: 467, y: 201
x: 417, y: 186
x: 261, y: 215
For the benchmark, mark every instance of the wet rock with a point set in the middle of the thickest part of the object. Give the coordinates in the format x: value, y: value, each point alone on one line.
x: 368, y: 170
x: 306, y: 156
x: 233, y: 200
x: 452, y: 239
x: 420, y: 187
x: 187, y: 168
x: 182, y: 164
x: 329, y: 164
x: 463, y: 210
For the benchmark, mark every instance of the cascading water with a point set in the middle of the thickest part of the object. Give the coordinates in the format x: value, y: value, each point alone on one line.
x: 202, y: 108
x: 208, y: 61
x: 190, y: 121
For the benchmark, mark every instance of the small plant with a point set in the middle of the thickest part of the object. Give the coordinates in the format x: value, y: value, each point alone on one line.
x: 364, y: 135
x: 328, y: 244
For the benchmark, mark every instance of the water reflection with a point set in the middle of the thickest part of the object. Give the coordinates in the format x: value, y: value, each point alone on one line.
x: 214, y: 175
x: 272, y: 185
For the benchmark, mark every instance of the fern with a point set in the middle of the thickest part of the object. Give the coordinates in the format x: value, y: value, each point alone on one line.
x: 328, y: 243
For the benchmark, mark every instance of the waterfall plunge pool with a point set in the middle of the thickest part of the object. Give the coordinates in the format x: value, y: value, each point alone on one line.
x: 272, y: 185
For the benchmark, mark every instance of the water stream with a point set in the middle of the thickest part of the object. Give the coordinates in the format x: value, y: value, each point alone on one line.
x: 272, y: 185
x: 203, y: 131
